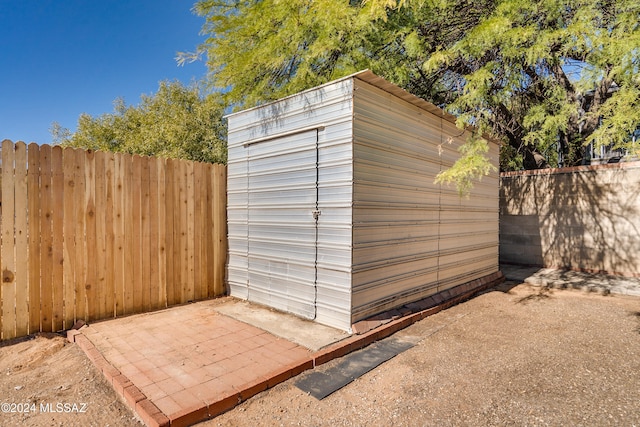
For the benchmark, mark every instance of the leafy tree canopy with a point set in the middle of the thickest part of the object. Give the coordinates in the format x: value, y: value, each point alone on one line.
x: 537, y: 74
x: 176, y: 122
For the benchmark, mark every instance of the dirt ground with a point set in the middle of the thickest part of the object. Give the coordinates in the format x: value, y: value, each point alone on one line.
x: 515, y: 355
x: 46, y: 381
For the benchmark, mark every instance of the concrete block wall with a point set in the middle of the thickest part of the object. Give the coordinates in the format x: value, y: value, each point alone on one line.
x: 583, y: 218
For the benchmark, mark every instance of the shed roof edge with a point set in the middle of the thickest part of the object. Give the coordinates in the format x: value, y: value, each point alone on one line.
x: 373, y: 79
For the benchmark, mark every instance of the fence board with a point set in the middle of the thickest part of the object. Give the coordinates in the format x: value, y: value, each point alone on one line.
x: 152, y: 225
x: 137, y: 235
x: 33, y: 189
x: 178, y: 294
x: 184, y: 254
x: 129, y: 239
x: 189, y: 246
x: 8, y: 286
x: 210, y: 232
x: 109, y: 282
x: 119, y: 279
x: 170, y: 247
x: 46, y: 241
x: 100, y: 288
x: 145, y: 228
x: 219, y: 227
x: 22, y: 243
x: 57, y: 257
x: 81, y: 241
x: 91, y: 249
x: 69, y: 233
x: 90, y: 235
x: 197, y: 237
x: 200, y: 224
x: 162, y: 234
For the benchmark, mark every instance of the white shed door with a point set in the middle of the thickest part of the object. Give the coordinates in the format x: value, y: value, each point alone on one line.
x: 282, y: 226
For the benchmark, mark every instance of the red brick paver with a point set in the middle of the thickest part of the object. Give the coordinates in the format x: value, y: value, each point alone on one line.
x: 189, y: 363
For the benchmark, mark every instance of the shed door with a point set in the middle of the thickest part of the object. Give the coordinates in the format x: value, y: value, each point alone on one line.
x: 282, y: 225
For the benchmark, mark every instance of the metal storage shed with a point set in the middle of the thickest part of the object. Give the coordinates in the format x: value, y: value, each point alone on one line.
x: 333, y: 213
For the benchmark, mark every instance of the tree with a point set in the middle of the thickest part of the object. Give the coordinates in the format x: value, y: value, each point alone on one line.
x: 538, y: 75
x: 176, y: 122
x: 550, y: 73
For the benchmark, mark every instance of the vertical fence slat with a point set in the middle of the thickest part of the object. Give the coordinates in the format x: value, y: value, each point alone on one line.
x: 177, y: 233
x: 198, y: 281
x: 152, y: 223
x: 80, y: 238
x: 8, y: 286
x: 46, y: 241
x: 170, y: 252
x: 129, y: 240
x: 185, y: 292
x: 119, y: 233
x: 179, y: 264
x: 182, y: 229
x: 22, y: 242
x: 220, y: 227
x: 33, y: 189
x: 137, y: 235
x: 69, y: 232
x: 100, y: 293
x: 209, y: 230
x: 57, y: 256
x: 195, y: 238
x: 201, y: 228
x: 162, y: 234
x: 190, y: 229
x: 109, y: 165
x: 145, y: 244
x: 90, y: 234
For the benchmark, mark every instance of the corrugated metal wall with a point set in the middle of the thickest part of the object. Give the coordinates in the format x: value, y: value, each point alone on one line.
x: 411, y: 237
x: 363, y: 154
x: 279, y: 253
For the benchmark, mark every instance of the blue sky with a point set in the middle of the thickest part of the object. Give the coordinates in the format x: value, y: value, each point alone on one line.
x: 62, y: 58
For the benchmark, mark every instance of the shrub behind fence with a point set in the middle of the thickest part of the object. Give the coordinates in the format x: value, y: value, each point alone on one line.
x: 92, y: 235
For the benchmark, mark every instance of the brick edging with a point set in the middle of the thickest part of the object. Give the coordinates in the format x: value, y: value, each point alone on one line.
x: 151, y: 415
x: 443, y: 299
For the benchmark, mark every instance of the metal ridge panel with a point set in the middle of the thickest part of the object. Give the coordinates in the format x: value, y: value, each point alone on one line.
x: 373, y: 79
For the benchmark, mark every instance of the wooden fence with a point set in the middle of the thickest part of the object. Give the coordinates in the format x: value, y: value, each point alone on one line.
x: 91, y: 235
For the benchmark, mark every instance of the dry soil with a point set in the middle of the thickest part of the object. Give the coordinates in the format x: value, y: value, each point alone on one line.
x: 46, y: 381
x: 515, y: 355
